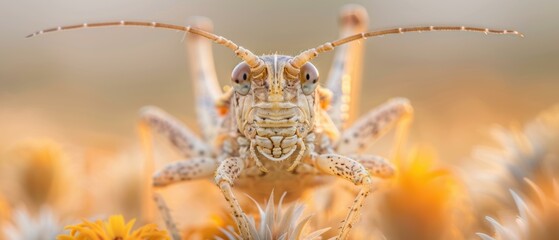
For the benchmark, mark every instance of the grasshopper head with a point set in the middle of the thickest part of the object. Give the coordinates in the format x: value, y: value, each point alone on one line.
x: 275, y: 111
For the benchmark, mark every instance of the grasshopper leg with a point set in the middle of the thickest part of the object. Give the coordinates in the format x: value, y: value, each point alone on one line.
x: 344, y: 78
x: 177, y: 134
x: 182, y: 139
x: 376, y: 165
x: 167, y: 218
x: 185, y: 170
x: 225, y: 176
x: 349, y: 169
x: 206, y: 86
x: 374, y: 125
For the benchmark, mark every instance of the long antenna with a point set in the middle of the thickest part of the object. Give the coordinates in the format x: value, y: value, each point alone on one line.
x: 256, y: 64
x: 292, y: 69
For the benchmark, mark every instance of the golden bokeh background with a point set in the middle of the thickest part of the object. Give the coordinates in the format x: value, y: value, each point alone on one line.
x: 86, y: 86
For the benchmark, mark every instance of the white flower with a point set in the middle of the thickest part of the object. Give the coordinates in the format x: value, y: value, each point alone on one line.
x: 531, y: 152
x: 45, y: 226
x: 276, y: 223
x: 536, y: 219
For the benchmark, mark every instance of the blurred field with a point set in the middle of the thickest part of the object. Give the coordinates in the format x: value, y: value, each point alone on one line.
x: 86, y: 86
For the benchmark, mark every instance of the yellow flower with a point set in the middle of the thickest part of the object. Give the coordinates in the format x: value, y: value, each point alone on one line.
x: 115, y: 229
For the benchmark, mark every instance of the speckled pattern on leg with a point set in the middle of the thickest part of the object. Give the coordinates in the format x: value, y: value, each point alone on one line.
x: 353, y: 214
x: 184, y: 171
x: 204, y: 79
x: 376, y: 165
x: 225, y: 175
x: 183, y: 139
x: 366, y: 130
x: 341, y: 166
x: 353, y: 171
x: 166, y: 215
x: 344, y: 77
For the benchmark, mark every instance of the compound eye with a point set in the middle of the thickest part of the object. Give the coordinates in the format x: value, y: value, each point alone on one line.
x: 309, y: 78
x: 241, y: 78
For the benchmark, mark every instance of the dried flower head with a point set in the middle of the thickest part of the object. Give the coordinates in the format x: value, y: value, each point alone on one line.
x: 538, y: 216
x: 276, y: 223
x: 531, y: 152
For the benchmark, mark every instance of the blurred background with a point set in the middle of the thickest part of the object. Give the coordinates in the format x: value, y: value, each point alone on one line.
x: 81, y: 90
x: 86, y: 86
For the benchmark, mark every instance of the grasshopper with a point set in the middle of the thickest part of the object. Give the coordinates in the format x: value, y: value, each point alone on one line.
x: 276, y: 127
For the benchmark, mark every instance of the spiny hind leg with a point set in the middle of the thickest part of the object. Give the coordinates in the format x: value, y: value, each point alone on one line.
x: 186, y: 170
x: 166, y: 215
x: 374, y: 125
x: 353, y: 171
x: 152, y: 119
x: 178, y: 135
x: 376, y: 165
x: 344, y: 78
x: 196, y: 168
x: 206, y: 86
x: 225, y: 176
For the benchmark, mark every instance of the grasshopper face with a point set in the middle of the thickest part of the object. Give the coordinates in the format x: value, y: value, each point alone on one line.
x: 275, y: 112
